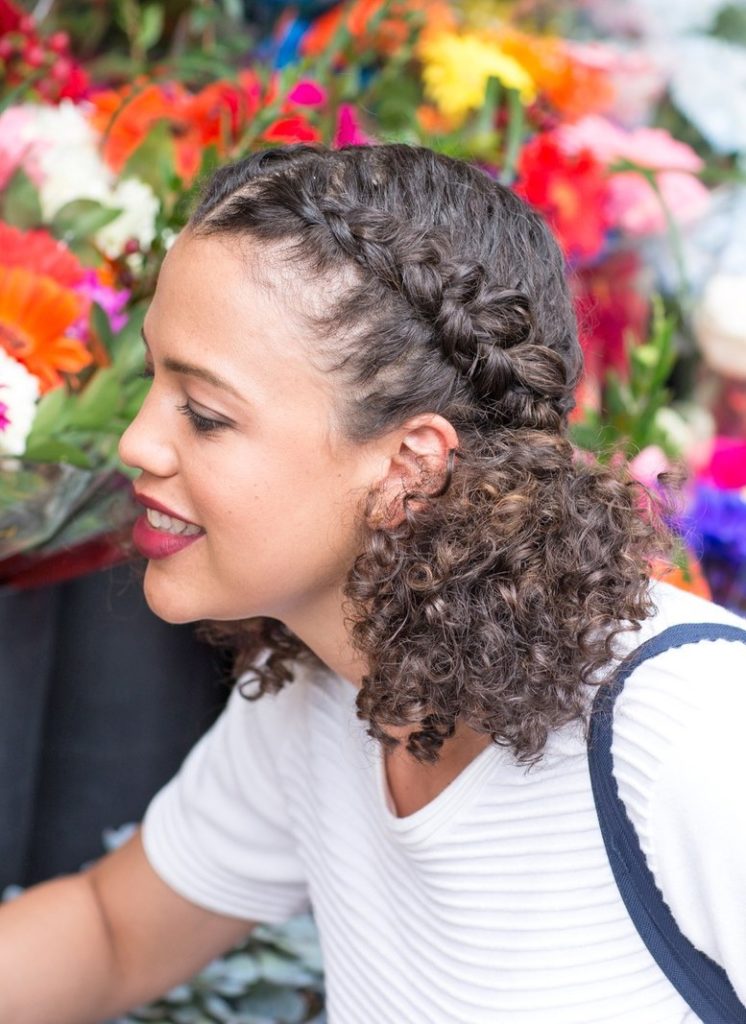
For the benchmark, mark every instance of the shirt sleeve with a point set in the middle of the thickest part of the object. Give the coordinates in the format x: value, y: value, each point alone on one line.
x: 218, y: 832
x: 678, y: 759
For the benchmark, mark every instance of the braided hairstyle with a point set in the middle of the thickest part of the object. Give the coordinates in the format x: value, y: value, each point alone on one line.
x: 498, y: 596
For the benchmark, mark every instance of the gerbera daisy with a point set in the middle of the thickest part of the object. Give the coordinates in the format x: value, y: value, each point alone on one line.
x: 35, y: 313
x: 40, y: 252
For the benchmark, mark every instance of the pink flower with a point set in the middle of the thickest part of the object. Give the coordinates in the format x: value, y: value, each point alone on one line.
x: 637, y: 209
x: 637, y: 79
x: 112, y: 301
x: 634, y: 204
x: 646, y: 466
x: 648, y: 147
x: 15, y: 150
x: 308, y: 94
x: 349, y: 132
x: 727, y: 468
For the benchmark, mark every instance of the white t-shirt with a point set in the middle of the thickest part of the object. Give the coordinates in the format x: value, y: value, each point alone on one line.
x: 495, y: 902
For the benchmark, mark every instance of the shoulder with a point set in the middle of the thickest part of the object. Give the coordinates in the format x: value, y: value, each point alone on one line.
x: 680, y: 699
x: 678, y: 731
x: 691, y: 683
x: 283, y: 720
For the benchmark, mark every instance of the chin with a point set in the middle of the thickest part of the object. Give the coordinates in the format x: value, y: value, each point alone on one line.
x: 169, y: 603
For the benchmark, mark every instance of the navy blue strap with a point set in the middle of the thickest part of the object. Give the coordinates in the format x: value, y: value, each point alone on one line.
x: 701, y: 982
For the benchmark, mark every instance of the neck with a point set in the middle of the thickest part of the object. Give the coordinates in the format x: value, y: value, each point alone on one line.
x: 322, y: 628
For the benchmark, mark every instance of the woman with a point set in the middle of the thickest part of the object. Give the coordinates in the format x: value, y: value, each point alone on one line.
x: 356, y: 439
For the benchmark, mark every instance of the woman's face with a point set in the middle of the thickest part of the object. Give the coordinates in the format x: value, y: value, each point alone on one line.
x: 237, y: 435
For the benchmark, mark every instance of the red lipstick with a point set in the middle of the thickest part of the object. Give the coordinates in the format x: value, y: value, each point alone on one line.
x: 154, y: 543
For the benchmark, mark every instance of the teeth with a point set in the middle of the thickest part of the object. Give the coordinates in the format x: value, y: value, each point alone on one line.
x: 169, y: 524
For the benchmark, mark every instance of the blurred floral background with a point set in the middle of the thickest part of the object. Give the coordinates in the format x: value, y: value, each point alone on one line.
x: 625, y: 124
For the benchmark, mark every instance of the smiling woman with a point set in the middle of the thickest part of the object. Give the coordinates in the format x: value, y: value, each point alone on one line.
x: 354, y: 457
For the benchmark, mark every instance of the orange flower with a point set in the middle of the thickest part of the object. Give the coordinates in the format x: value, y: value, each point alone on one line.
x: 35, y: 312
x: 573, y: 86
x: 390, y: 34
x: 40, y: 252
x: 690, y: 578
x: 213, y: 116
x: 432, y: 122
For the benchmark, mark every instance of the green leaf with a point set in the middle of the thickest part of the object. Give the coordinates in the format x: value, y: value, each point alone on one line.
x: 51, y: 415
x: 97, y: 402
x: 151, y: 27
x: 50, y: 450
x: 81, y: 218
x: 102, y: 327
x: 645, y: 356
x: 154, y: 159
x: 20, y: 202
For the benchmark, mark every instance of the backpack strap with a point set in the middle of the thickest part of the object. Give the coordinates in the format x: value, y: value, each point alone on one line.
x: 701, y: 982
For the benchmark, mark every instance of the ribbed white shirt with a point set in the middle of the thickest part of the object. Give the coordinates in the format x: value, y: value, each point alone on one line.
x: 495, y: 902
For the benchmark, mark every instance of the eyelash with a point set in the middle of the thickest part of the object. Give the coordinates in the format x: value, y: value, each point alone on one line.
x: 201, y: 424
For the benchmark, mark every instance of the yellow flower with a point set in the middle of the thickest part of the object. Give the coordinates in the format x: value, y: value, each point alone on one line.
x: 456, y: 69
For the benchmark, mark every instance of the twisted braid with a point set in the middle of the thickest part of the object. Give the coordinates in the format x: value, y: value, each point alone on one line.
x: 485, y: 329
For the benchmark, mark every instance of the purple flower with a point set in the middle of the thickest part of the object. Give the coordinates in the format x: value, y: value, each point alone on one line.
x: 111, y: 300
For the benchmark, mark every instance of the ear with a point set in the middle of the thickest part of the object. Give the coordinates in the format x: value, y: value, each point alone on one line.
x: 419, y: 453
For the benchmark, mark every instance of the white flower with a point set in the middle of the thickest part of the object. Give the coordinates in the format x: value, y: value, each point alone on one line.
x: 720, y: 325
x: 653, y: 17
x: 708, y: 79
x: 19, y: 391
x: 63, y: 149
x: 139, y: 206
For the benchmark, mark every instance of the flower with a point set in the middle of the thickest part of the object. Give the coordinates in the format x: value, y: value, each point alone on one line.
x: 349, y: 132
x: 570, y: 189
x: 139, y: 206
x: 707, y: 85
x: 113, y: 301
x: 60, y: 154
x: 573, y: 78
x: 40, y: 252
x: 647, y: 147
x: 307, y: 94
x: 612, y: 309
x: 291, y: 129
x: 727, y: 466
x: 457, y: 68
x: 213, y: 116
x: 648, y: 464
x: 385, y: 35
x: 19, y: 391
x: 14, y: 123
x: 35, y: 313
x: 634, y: 204
x: 720, y: 325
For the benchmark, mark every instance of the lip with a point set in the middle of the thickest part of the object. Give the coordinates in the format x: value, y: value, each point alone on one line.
x: 157, y: 543
x: 143, y: 499
x: 154, y: 543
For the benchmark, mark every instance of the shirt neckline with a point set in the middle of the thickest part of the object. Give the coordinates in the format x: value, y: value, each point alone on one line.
x: 418, y: 827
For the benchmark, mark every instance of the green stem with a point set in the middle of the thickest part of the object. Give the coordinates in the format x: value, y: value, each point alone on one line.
x: 513, y: 137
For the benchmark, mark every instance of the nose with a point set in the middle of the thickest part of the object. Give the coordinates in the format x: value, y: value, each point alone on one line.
x: 145, y: 444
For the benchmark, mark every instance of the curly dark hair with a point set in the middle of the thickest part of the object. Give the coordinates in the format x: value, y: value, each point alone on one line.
x: 496, y: 599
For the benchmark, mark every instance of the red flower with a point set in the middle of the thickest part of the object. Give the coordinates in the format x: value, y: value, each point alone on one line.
x: 292, y: 129
x: 10, y: 17
x: 571, y: 191
x: 612, y: 310
x: 40, y: 252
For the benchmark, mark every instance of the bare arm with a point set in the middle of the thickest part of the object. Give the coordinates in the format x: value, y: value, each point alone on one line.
x: 80, y: 949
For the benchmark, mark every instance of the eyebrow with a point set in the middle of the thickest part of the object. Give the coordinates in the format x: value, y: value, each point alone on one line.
x: 200, y: 372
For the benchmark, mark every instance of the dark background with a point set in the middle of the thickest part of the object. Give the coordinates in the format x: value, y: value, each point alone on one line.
x: 99, y: 703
